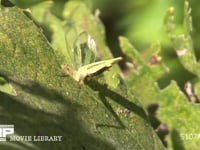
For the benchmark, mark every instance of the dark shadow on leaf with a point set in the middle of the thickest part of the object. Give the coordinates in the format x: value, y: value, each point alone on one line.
x: 30, y: 120
x: 6, y: 3
x: 177, y: 142
x: 109, y: 107
x: 104, y: 92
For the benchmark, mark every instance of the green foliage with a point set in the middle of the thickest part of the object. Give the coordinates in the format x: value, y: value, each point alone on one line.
x: 184, y: 122
x: 107, y: 111
x: 174, y: 107
x: 143, y: 72
x: 79, y: 14
x: 183, y: 43
x: 99, y: 114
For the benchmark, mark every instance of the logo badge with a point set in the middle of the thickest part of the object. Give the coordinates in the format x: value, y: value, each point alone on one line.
x: 5, y: 130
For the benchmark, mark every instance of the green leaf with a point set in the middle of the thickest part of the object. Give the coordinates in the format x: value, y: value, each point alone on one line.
x: 175, y: 110
x: 184, y: 120
x: 92, y: 116
x: 180, y: 117
x: 183, y: 43
x: 143, y: 72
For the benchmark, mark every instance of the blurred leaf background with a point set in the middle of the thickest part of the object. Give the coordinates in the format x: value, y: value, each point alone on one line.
x: 142, y: 23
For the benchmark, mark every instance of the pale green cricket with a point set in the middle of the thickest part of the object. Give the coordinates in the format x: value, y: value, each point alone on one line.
x: 81, y: 49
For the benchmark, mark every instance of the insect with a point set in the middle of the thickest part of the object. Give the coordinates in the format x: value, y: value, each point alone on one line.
x: 81, y: 50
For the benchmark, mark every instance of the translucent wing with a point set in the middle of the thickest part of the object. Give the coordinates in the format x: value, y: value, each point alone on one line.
x: 81, y: 47
x: 85, y: 49
x: 81, y: 50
